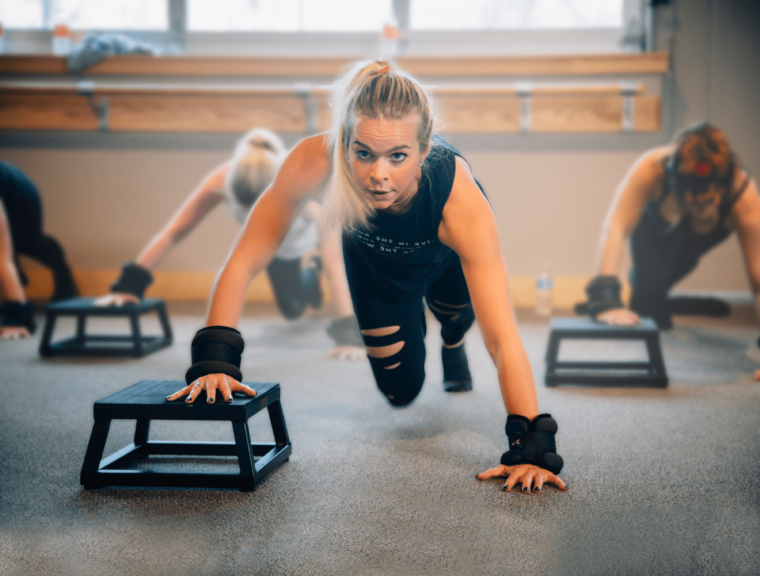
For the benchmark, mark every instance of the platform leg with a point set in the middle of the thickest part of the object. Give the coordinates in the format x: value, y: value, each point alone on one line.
x: 552, y: 353
x: 94, y: 452
x: 277, y: 418
x: 655, y: 357
x: 134, y: 322
x: 245, y: 455
x: 141, y: 432
x: 45, y: 348
x: 165, y: 326
x: 81, y: 326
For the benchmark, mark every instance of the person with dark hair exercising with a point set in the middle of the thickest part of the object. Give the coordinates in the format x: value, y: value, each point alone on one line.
x: 21, y: 234
x: 295, y: 269
x: 676, y: 203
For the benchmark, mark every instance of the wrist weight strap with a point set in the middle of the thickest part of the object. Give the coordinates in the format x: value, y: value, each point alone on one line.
x: 345, y: 332
x: 134, y: 279
x: 216, y: 350
x: 532, y: 442
x: 603, y: 294
x: 18, y: 314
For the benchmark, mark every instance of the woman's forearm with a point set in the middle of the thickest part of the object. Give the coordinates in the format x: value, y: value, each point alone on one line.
x: 610, y: 250
x: 156, y: 249
x: 518, y: 390
x: 227, y: 296
x: 10, y: 282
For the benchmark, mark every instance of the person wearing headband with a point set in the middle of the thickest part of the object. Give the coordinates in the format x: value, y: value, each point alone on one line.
x: 21, y: 234
x: 417, y: 229
x: 676, y: 204
x: 295, y: 268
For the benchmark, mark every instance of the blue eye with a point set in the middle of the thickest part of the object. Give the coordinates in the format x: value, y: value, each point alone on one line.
x: 398, y: 157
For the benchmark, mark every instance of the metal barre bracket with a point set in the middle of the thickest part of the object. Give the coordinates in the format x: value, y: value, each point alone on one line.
x: 524, y: 92
x: 99, y: 106
x: 303, y: 91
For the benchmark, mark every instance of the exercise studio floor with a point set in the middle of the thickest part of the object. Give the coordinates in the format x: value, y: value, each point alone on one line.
x: 660, y: 481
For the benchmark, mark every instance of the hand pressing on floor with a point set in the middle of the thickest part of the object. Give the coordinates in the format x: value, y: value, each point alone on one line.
x: 225, y: 384
x: 531, y: 477
x: 13, y: 333
x: 351, y: 353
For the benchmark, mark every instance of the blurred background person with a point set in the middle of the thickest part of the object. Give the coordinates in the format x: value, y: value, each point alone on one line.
x: 676, y: 203
x: 294, y: 272
x: 21, y: 234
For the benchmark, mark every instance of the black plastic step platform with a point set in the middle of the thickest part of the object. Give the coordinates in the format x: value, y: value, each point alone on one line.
x: 99, y: 345
x: 146, y: 401
x: 651, y: 373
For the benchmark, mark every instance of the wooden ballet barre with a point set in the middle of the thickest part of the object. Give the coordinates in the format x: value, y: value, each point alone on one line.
x: 303, y: 108
x: 333, y: 66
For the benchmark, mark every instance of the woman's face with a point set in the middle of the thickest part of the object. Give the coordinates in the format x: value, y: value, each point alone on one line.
x: 385, y: 160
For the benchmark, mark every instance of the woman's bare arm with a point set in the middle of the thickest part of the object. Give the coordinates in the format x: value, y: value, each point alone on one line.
x: 9, y: 280
x: 746, y: 215
x: 627, y: 207
x: 469, y: 228
x: 302, y: 174
x: 202, y: 200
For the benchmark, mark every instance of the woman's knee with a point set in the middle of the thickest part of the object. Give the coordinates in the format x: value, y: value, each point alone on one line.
x: 399, y: 370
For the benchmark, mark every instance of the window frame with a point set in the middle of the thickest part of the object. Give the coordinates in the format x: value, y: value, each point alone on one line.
x: 178, y: 40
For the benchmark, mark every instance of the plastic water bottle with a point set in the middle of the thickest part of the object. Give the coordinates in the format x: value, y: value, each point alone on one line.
x: 61, y: 40
x: 544, y: 285
x: 390, y: 37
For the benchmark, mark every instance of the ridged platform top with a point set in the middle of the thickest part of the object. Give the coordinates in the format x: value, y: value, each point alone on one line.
x: 589, y: 325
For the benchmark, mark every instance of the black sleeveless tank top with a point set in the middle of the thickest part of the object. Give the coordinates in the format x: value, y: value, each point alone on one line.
x: 400, y: 253
x: 679, y: 239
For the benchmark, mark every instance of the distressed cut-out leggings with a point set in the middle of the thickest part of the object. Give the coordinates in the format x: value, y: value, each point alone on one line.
x: 400, y: 375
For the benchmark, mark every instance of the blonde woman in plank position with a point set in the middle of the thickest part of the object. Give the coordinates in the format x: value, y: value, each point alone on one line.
x: 415, y: 224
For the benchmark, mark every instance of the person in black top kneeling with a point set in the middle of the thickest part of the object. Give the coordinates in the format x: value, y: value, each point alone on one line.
x: 21, y: 234
x: 415, y: 224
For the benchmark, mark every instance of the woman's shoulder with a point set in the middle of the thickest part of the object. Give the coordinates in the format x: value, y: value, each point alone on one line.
x: 309, y: 162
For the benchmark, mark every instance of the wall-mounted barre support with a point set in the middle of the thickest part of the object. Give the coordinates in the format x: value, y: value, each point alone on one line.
x: 303, y: 91
x: 628, y: 90
x: 99, y: 106
x: 524, y: 91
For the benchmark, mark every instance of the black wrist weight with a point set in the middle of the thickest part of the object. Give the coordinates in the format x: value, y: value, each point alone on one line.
x: 216, y: 350
x: 532, y: 442
x: 134, y: 279
x: 20, y: 314
x: 345, y: 332
x: 603, y: 294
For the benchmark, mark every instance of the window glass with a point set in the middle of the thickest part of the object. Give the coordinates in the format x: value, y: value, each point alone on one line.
x: 515, y: 14
x: 86, y: 14
x: 21, y: 14
x: 287, y: 15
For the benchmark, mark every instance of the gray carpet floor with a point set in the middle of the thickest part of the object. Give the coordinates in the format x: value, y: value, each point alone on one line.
x: 660, y: 481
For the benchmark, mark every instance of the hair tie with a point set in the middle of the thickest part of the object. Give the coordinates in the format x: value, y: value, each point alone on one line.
x: 383, y: 70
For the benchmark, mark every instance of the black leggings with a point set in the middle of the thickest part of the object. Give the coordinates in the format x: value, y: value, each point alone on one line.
x: 400, y: 376
x: 24, y: 208
x: 294, y: 287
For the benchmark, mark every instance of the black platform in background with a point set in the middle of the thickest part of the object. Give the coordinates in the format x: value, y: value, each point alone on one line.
x: 651, y: 373
x: 102, y: 345
x: 146, y: 401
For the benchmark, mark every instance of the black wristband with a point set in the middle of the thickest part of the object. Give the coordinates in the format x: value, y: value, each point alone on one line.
x: 216, y: 350
x: 18, y: 314
x: 603, y: 294
x: 345, y: 332
x: 134, y: 279
x: 532, y: 442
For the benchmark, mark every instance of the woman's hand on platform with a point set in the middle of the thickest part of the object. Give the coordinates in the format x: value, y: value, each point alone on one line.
x: 619, y: 317
x: 116, y: 299
x: 13, y: 333
x: 226, y: 385
x: 531, y: 477
x: 351, y: 353
x: 757, y: 374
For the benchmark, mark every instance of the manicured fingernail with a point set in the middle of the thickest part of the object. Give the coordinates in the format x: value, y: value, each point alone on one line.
x: 525, y: 489
x: 537, y: 489
x: 168, y: 397
x: 505, y: 488
x: 229, y: 398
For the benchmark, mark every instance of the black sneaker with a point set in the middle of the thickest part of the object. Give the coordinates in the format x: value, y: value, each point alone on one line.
x: 456, y: 371
x: 313, y: 273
